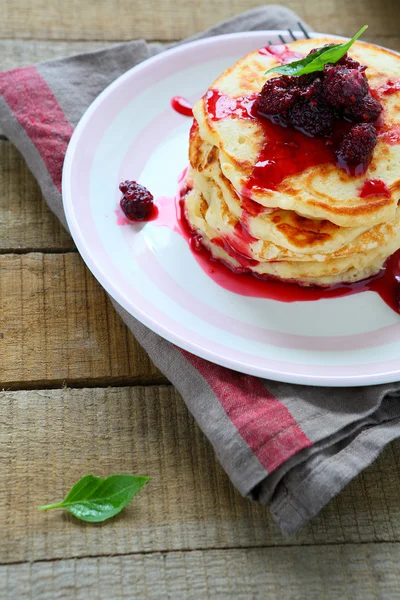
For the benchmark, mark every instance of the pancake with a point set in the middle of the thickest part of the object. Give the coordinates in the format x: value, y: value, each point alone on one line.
x: 284, y: 229
x: 345, y: 267
x: 321, y: 191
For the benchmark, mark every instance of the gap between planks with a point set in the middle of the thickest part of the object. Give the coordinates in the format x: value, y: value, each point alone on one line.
x: 202, y: 549
x: 84, y: 384
x: 45, y: 250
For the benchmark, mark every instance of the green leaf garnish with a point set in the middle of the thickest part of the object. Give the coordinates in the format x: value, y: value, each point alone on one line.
x: 96, y: 499
x: 317, y: 60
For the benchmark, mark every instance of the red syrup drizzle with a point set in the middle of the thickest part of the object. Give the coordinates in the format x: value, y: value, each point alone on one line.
x: 252, y: 208
x: 374, y: 187
x: 237, y: 247
x: 390, y: 87
x: 390, y: 136
x: 182, y: 106
x: 281, y: 53
x: 288, y: 151
x: 240, y: 281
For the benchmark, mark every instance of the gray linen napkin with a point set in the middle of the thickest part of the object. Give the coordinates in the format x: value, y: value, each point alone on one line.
x: 292, y: 447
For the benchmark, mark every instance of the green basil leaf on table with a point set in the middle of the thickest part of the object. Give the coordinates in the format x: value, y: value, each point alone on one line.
x: 96, y: 499
x: 317, y: 60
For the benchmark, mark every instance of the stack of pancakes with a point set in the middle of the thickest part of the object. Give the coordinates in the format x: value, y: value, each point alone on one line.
x: 313, y: 227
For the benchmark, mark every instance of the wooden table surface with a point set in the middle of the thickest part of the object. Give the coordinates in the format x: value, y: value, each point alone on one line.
x: 81, y: 396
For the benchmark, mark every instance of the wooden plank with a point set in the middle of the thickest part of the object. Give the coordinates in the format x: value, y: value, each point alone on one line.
x: 50, y: 438
x: 57, y: 325
x: 365, y: 572
x: 174, y: 19
x: 25, y: 221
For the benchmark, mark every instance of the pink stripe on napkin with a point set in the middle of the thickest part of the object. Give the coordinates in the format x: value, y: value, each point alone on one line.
x: 36, y: 109
x: 264, y: 422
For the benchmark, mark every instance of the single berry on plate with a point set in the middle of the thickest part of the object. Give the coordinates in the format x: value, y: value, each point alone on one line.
x: 366, y: 111
x: 358, y: 144
x: 136, y: 201
x: 344, y: 87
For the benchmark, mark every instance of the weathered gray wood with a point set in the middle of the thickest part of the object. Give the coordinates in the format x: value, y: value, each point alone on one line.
x: 25, y: 221
x: 365, y: 572
x: 50, y: 438
x: 57, y: 325
x: 174, y: 19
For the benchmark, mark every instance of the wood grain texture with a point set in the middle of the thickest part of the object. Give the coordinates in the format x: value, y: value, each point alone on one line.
x: 25, y: 221
x: 174, y: 19
x: 57, y: 325
x: 367, y: 572
x: 50, y: 438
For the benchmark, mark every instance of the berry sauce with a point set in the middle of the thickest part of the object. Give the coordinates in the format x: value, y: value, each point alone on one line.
x: 281, y: 53
x: 252, y: 208
x: 390, y: 87
x: 287, y: 152
x: 374, y: 187
x: 241, y: 281
x: 220, y: 106
x: 390, y: 136
x: 182, y: 106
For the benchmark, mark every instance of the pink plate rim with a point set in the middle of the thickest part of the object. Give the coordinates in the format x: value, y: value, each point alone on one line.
x: 355, y: 375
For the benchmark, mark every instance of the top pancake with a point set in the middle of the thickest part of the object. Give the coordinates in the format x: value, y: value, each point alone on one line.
x: 322, y: 191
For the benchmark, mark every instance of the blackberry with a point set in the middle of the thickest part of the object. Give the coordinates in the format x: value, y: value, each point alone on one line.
x: 344, y: 87
x: 366, y: 111
x: 358, y: 144
x: 277, y: 96
x: 350, y: 63
x: 312, y: 117
x: 136, y: 201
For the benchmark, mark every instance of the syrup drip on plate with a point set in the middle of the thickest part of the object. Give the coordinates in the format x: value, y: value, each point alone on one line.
x: 182, y: 106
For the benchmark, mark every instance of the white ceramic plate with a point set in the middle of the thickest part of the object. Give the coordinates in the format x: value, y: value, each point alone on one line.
x: 130, y: 132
